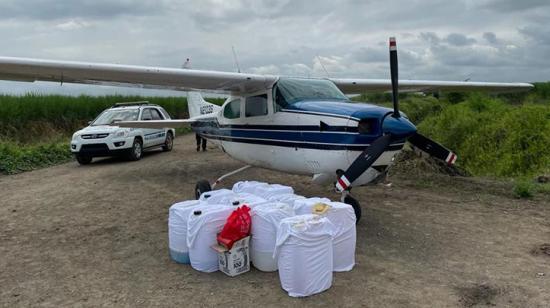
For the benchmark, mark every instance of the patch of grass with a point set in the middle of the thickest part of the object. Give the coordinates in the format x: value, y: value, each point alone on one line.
x: 493, y: 138
x: 524, y: 189
x: 15, y: 158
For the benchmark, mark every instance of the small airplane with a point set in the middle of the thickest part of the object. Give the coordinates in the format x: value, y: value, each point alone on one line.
x: 304, y: 126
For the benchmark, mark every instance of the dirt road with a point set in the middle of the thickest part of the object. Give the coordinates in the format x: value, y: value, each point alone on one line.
x: 97, y: 236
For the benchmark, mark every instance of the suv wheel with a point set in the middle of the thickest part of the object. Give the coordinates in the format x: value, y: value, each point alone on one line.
x: 83, y: 160
x: 168, y: 143
x: 136, y: 150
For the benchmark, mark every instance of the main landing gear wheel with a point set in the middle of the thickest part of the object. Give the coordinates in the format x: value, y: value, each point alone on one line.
x: 356, y: 207
x: 202, y: 187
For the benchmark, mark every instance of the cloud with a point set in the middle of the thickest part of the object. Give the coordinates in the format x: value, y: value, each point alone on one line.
x: 515, y: 5
x: 458, y: 39
x: 59, y: 9
x: 490, y: 40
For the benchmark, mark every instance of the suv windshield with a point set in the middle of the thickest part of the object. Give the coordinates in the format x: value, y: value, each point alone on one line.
x: 108, y: 116
x: 291, y: 90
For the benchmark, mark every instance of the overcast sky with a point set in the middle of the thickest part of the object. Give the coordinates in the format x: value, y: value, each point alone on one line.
x: 484, y: 40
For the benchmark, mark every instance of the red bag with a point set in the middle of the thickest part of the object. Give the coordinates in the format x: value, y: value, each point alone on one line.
x: 236, y: 227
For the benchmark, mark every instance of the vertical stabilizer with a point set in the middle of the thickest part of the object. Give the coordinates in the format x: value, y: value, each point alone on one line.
x: 198, y: 106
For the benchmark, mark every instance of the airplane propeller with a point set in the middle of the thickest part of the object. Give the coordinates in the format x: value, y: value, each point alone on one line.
x: 378, y: 147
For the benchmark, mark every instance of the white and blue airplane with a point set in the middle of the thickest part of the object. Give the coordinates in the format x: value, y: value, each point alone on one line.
x: 304, y: 126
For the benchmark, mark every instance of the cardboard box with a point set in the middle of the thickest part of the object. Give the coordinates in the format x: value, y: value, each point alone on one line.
x: 235, y: 261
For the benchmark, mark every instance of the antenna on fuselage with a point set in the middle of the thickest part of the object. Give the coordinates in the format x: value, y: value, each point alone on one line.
x: 322, y: 65
x: 236, y: 59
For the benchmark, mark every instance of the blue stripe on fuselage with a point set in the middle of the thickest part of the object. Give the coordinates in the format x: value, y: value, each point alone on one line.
x: 290, y: 136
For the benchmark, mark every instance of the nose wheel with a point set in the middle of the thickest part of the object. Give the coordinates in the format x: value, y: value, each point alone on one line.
x: 348, y: 199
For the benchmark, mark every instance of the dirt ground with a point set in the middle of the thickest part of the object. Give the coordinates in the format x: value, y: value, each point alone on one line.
x: 96, y: 235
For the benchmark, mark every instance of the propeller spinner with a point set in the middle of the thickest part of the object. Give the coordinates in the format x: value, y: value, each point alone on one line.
x: 394, y: 129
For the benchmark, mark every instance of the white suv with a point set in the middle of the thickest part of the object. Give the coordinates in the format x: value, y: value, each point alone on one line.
x: 101, y: 138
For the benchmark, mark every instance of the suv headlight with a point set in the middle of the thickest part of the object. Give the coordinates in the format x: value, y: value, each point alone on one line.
x: 121, y: 133
x: 75, y: 135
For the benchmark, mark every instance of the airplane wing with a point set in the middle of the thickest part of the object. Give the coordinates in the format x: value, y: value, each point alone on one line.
x: 163, y: 123
x: 357, y: 86
x: 24, y: 69
x: 154, y: 123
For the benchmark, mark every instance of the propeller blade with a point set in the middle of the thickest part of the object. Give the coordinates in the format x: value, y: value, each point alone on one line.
x: 363, y: 162
x: 433, y: 148
x: 394, y: 77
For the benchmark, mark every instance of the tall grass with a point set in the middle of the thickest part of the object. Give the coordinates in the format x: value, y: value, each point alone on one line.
x: 35, y: 129
x: 39, y: 117
x: 494, y: 138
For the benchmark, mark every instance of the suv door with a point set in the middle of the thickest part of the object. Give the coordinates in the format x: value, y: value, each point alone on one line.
x: 151, y: 136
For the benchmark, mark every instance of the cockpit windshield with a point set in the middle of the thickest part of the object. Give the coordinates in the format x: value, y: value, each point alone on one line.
x: 110, y: 115
x: 291, y: 90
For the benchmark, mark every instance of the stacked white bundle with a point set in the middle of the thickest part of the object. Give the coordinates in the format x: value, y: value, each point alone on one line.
x: 216, y: 196
x: 342, y: 217
x: 266, y: 191
x: 304, y: 254
x: 247, y: 186
x: 237, y: 199
x: 202, y: 228
x: 177, y: 229
x: 262, y: 189
x: 286, y: 198
x: 265, y: 221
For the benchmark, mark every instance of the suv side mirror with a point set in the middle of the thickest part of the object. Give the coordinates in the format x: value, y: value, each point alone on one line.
x: 90, y: 122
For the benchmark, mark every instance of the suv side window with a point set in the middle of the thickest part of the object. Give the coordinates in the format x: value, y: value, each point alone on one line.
x: 233, y: 109
x: 146, y: 115
x: 256, y: 105
x: 156, y: 114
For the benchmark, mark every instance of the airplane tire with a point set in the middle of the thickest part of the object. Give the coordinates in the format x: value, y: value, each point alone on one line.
x: 356, y: 207
x: 202, y: 187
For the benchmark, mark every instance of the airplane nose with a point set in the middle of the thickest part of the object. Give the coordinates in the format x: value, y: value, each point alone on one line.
x: 399, y: 127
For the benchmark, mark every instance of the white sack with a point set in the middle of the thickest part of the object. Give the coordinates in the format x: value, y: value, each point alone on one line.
x: 202, y: 231
x: 247, y: 186
x: 342, y: 216
x: 265, y: 221
x: 216, y: 196
x: 266, y: 191
x: 238, y: 199
x: 304, y: 253
x: 177, y: 224
x: 285, y: 198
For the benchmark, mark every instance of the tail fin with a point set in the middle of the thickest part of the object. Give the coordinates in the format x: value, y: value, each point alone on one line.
x: 198, y: 106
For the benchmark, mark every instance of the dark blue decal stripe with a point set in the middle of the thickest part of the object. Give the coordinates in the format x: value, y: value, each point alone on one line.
x: 301, y: 145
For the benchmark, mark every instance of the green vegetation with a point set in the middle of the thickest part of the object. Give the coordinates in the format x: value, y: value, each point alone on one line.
x: 35, y: 130
x: 503, y: 135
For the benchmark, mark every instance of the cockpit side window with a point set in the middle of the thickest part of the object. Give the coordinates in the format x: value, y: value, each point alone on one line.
x: 256, y: 105
x: 279, y: 102
x: 233, y: 109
